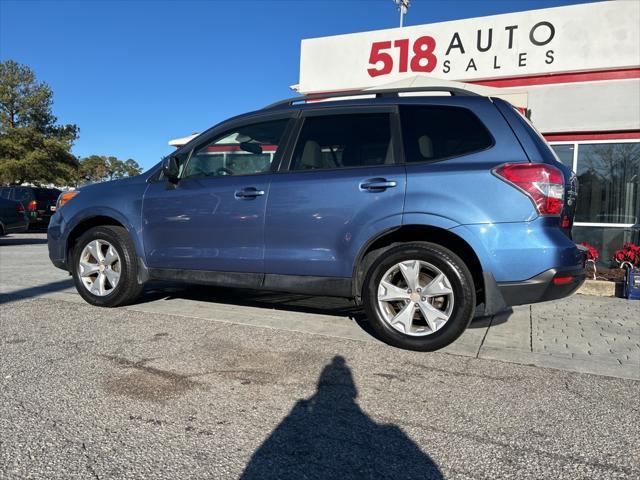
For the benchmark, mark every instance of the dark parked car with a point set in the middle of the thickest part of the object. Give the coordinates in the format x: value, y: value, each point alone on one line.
x: 39, y: 203
x: 418, y: 207
x: 12, y: 217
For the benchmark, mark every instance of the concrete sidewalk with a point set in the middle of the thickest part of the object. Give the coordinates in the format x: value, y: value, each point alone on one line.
x: 582, y: 333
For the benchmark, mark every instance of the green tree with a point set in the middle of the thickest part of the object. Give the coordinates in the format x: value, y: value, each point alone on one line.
x: 92, y: 169
x: 33, y: 147
x: 100, y: 168
x: 131, y: 168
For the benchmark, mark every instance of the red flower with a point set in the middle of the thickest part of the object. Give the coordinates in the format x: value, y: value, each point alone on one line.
x: 628, y: 253
x: 592, y: 253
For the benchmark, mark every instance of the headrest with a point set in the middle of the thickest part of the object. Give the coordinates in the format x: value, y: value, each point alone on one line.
x: 426, y: 146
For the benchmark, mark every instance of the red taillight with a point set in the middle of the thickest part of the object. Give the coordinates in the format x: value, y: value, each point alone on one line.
x: 19, y: 208
x: 563, y: 280
x: 32, y: 206
x: 543, y: 184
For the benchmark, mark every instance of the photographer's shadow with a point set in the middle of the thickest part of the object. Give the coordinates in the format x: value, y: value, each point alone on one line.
x: 329, y: 436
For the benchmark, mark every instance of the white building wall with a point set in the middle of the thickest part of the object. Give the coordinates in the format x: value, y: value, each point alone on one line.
x: 601, y: 106
x: 576, y: 38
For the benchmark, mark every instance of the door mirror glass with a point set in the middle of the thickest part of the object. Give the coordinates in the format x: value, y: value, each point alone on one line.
x: 170, y: 168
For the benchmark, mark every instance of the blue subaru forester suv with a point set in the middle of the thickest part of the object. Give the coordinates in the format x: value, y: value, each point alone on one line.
x: 420, y: 207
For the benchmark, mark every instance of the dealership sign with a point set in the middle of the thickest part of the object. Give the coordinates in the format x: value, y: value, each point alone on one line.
x: 587, y: 37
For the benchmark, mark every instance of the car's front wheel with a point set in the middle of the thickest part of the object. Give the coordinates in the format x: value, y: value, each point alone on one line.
x: 105, y: 268
x: 419, y: 296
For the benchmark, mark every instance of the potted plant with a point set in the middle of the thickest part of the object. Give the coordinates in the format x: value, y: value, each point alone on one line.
x: 592, y: 256
x: 628, y: 258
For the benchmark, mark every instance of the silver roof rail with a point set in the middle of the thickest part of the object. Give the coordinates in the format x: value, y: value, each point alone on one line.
x: 379, y: 93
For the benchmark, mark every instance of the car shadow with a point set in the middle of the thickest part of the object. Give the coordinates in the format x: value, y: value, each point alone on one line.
x: 332, y: 306
x: 329, y: 436
x: 338, y: 307
x: 481, y: 320
x: 17, y: 239
x: 35, y: 291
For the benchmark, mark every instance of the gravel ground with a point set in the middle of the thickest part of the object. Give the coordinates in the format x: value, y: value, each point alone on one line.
x: 97, y: 393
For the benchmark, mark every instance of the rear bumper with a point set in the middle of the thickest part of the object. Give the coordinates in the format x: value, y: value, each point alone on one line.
x: 551, y: 284
x: 515, y: 252
x: 39, y: 220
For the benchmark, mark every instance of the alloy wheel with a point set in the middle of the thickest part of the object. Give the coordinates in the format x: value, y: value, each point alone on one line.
x: 99, y: 267
x: 415, y: 298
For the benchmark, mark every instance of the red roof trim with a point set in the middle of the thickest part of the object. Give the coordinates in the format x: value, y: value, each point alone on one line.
x: 617, y: 74
x: 581, y: 136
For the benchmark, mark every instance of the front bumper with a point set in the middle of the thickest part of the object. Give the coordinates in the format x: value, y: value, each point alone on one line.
x: 57, y: 243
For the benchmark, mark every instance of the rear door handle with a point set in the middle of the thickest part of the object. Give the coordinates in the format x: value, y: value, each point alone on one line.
x: 378, y: 184
x: 248, y: 193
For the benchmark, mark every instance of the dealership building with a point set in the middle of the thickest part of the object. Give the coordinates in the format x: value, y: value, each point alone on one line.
x: 574, y: 70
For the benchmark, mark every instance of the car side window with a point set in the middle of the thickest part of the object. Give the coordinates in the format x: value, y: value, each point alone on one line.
x: 245, y: 150
x: 344, y: 141
x: 4, y: 192
x: 436, y: 132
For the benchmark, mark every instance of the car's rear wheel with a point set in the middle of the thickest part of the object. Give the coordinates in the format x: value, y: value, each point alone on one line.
x: 419, y: 296
x: 105, y: 268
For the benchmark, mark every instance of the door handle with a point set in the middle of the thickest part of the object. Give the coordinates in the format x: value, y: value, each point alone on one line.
x: 377, y: 184
x: 248, y: 193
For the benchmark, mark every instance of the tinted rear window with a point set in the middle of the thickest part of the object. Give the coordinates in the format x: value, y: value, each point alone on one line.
x: 344, y: 141
x: 22, y: 194
x: 434, y: 132
x: 47, y: 195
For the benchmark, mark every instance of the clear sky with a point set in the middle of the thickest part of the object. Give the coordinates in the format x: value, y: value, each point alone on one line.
x: 135, y: 74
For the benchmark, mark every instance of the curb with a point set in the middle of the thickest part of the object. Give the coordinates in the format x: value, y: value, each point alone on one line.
x: 600, y: 288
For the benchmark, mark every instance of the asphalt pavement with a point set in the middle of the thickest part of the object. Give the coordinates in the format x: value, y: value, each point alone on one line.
x: 208, y: 383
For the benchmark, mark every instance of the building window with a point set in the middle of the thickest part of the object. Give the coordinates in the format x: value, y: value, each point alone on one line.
x: 565, y: 153
x: 608, y: 195
x: 609, y: 176
x: 606, y: 239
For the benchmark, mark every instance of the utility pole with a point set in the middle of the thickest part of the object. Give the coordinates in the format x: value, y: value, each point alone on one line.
x: 403, y: 6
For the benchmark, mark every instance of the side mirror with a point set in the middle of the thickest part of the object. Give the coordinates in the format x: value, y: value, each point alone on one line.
x: 170, y: 169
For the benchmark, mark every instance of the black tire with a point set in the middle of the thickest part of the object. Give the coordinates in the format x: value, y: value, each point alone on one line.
x: 461, y: 282
x: 127, y: 288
